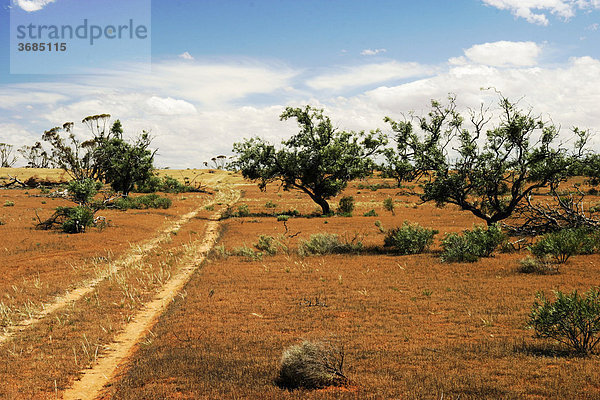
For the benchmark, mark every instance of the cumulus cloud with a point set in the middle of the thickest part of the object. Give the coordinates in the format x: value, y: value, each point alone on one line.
x: 186, y: 56
x: 535, y: 11
x: 504, y: 53
x: 33, y: 5
x: 372, y: 52
x: 170, y: 106
x: 368, y: 74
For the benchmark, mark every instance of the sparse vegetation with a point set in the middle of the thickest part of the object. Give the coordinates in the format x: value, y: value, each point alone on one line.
x: 328, y: 243
x: 346, y: 206
x: 409, y: 238
x: 563, y: 244
x: 472, y: 244
x: 9, y: 203
x: 370, y: 213
x: 572, y: 319
x: 388, y: 205
x: 142, y: 202
x: 311, y: 365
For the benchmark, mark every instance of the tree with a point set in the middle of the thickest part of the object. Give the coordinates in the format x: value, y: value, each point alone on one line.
x: 36, y: 156
x: 122, y: 164
x: 7, y: 158
x: 488, y: 172
x: 319, y: 160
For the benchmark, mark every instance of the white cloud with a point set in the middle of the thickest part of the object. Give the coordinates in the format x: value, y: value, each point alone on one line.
x: 369, y: 74
x: 33, y: 5
x: 504, y: 53
x: 372, y: 52
x: 170, y: 106
x: 535, y: 11
x: 186, y: 56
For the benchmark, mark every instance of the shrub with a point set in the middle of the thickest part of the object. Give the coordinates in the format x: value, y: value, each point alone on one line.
x: 248, y: 253
x: 9, y: 203
x: 270, y: 204
x: 370, y: 213
x: 572, y: 319
x: 346, y: 206
x: 388, y: 205
x: 409, y: 239
x: 563, y: 244
x: 328, y: 243
x: 142, y: 202
x: 312, y: 365
x: 472, y: 244
x: 243, y: 211
x: 166, y: 184
x: 530, y: 265
x: 267, y: 244
x: 283, y: 217
x: 77, y: 218
x: 82, y: 191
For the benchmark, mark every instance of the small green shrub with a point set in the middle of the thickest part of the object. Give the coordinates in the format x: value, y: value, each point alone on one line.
x: 166, y: 184
x: 142, y: 202
x: 572, y: 319
x: 84, y: 190
x: 247, y: 253
x: 370, y: 213
x: 270, y: 204
x: 77, y: 218
x: 472, y: 244
x: 346, y: 206
x: 530, y: 265
x: 311, y: 365
x: 267, y: 244
x: 328, y: 243
x: 9, y: 203
x: 283, y: 217
x: 563, y: 244
x: 243, y: 211
x: 388, y: 205
x: 409, y: 238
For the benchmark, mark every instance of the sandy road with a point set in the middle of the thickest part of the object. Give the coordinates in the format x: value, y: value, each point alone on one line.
x: 93, y: 380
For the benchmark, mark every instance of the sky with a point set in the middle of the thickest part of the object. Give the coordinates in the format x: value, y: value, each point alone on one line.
x: 216, y: 71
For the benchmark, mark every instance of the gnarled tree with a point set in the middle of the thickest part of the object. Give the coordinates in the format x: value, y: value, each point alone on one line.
x: 487, y: 171
x: 319, y: 160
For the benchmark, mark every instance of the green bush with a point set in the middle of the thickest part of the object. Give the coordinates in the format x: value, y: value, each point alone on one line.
x: 472, y: 244
x: 572, y: 319
x: 283, y: 217
x: 346, y: 206
x: 328, y: 243
x: 84, y: 190
x: 370, y: 213
x: 267, y: 244
x: 9, y: 203
x: 388, y: 205
x: 243, y: 211
x: 530, y: 265
x: 409, y: 239
x: 311, y: 365
x: 247, y: 253
x: 270, y: 204
x: 565, y: 243
x: 77, y: 219
x: 142, y: 202
x: 166, y: 184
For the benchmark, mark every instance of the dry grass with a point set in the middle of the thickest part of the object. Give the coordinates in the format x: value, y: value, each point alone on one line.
x: 412, y: 327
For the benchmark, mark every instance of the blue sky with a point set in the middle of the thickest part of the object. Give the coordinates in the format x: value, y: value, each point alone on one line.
x: 223, y: 70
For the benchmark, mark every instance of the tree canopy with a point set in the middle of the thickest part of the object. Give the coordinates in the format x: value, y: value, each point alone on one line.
x: 319, y: 160
x: 487, y: 171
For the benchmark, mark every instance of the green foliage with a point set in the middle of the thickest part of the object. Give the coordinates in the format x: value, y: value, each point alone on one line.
x: 311, y: 365
x: 388, y: 205
x: 572, y: 319
x: 346, y: 206
x: 283, y: 217
x: 267, y: 244
x: 530, y: 265
x: 370, y: 213
x: 493, y: 168
x: 9, y: 203
x: 247, y: 253
x: 243, y: 211
x: 270, y: 204
x: 319, y: 160
x: 83, y: 191
x: 166, y: 184
x: 374, y: 186
x: 328, y: 243
x: 142, y: 202
x: 409, y: 238
x: 472, y: 244
x: 565, y: 243
x: 77, y: 219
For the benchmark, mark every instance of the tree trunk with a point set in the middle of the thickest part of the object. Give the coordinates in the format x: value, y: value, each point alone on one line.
x: 324, y: 205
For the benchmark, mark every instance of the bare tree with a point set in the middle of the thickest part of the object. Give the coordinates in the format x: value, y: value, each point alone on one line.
x: 36, y: 156
x: 7, y: 157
